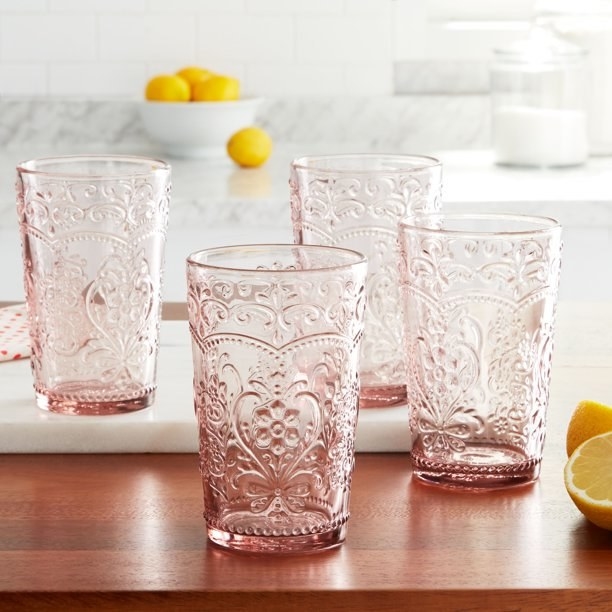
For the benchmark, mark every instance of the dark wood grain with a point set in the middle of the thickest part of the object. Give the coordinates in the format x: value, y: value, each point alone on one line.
x: 119, y: 532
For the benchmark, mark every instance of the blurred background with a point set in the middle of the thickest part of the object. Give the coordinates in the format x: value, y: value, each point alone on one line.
x: 401, y: 76
x: 108, y: 48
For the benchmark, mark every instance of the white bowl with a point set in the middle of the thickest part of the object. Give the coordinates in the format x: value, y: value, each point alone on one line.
x: 197, y: 129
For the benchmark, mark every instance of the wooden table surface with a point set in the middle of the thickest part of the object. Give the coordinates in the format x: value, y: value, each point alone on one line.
x: 125, y: 532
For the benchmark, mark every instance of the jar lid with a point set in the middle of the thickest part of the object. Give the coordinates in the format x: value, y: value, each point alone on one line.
x: 541, y: 46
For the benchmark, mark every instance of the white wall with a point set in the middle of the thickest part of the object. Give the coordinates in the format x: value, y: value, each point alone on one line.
x: 107, y: 49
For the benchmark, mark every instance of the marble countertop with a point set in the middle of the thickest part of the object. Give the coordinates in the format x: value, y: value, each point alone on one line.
x: 214, y: 202
x: 582, y: 364
x: 169, y: 426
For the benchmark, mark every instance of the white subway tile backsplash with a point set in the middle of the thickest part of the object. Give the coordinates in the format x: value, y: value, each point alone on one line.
x: 253, y: 38
x: 374, y: 7
x: 152, y: 37
x: 97, y: 6
x: 47, y: 38
x: 408, y: 34
x: 23, y: 79
x: 22, y: 6
x: 369, y: 78
x: 104, y: 80
x: 295, y: 6
x: 199, y: 6
x: 298, y: 79
x: 343, y: 39
x: 279, y: 47
x: 465, y: 44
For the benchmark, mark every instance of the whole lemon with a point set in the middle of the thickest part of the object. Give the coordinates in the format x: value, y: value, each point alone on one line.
x: 217, y: 88
x: 588, y: 419
x: 168, y: 88
x: 250, y: 147
x: 193, y: 75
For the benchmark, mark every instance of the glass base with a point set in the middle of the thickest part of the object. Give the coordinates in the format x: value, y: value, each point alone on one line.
x: 60, y: 404
x: 477, y: 476
x: 382, y: 397
x: 278, y: 544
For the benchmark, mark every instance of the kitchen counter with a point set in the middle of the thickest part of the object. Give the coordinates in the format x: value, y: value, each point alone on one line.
x: 119, y: 531
x: 582, y: 366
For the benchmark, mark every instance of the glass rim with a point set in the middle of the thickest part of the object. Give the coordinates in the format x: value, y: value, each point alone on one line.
x: 359, y: 258
x: 143, y: 166
x: 540, y: 224
x: 311, y: 162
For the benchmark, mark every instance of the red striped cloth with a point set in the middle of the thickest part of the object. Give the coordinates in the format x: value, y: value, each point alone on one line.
x: 14, y: 333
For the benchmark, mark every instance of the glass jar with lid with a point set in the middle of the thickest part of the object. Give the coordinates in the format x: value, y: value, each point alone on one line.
x: 538, y: 106
x: 588, y: 23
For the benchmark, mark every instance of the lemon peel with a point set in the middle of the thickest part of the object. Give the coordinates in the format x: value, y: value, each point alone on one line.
x: 168, y: 88
x: 249, y: 147
x: 589, y: 419
x: 218, y: 88
x: 588, y: 479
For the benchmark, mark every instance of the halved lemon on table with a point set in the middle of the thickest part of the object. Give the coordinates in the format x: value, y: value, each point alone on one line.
x: 588, y: 479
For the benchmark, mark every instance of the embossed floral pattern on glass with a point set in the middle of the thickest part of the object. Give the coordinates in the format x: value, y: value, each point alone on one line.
x: 479, y: 295
x: 93, y: 233
x: 275, y: 334
x: 356, y: 201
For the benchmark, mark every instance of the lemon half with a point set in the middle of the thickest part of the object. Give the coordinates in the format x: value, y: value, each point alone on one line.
x: 588, y: 479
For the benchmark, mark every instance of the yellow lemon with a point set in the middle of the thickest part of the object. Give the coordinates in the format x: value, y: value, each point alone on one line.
x: 193, y: 75
x: 588, y: 419
x: 588, y: 479
x: 250, y: 147
x: 217, y: 88
x: 168, y: 88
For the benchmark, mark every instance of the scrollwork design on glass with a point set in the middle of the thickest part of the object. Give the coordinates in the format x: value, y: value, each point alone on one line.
x: 479, y: 335
x: 362, y: 212
x: 98, y: 315
x: 275, y: 309
x: 119, y: 305
x: 276, y: 444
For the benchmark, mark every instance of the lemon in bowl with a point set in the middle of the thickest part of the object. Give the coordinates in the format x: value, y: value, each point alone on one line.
x: 217, y: 88
x: 168, y: 88
x: 193, y: 113
x: 194, y: 75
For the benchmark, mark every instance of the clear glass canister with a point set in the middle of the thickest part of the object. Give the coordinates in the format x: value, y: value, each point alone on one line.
x: 588, y: 23
x: 537, y: 90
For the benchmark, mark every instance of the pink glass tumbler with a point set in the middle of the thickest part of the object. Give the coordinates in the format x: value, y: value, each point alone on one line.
x: 356, y: 202
x: 93, y: 232
x: 479, y: 294
x: 275, y: 334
